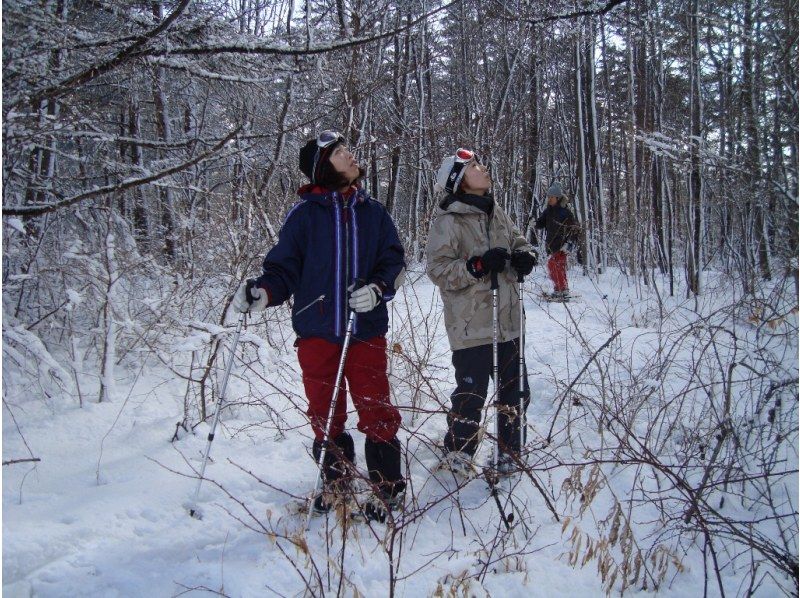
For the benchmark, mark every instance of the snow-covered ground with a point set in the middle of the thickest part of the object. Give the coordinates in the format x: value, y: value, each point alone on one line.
x: 104, y: 511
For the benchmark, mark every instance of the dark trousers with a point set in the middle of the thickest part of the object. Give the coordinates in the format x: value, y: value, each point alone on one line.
x: 473, y: 369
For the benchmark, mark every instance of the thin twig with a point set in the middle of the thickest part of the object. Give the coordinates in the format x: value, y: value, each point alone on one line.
x: 13, y: 461
x: 575, y: 380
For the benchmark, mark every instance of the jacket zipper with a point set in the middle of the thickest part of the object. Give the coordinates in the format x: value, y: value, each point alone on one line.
x: 489, y: 242
x: 340, y: 290
x: 346, y: 256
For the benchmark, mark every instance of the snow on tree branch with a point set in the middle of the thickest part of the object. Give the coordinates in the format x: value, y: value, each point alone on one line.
x: 39, y: 209
x: 254, y: 47
x: 96, y: 70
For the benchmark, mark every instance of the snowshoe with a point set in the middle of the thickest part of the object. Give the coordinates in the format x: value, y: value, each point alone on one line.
x: 333, y: 494
x: 458, y: 463
x: 380, y: 506
x: 559, y: 296
x: 322, y: 504
x: 506, y: 466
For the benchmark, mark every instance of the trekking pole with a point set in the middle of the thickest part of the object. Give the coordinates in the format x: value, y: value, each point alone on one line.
x: 492, y: 476
x: 520, y: 279
x: 496, y: 373
x: 193, y: 510
x: 331, y: 410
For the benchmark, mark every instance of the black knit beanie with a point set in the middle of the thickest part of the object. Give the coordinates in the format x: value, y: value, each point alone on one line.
x: 307, y: 154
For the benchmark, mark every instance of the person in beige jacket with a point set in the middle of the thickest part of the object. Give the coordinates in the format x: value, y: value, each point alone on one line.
x: 471, y: 236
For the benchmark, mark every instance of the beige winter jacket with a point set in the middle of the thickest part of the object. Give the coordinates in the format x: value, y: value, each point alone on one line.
x: 459, y: 232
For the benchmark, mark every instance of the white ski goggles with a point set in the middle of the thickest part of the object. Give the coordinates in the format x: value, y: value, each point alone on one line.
x: 324, y: 141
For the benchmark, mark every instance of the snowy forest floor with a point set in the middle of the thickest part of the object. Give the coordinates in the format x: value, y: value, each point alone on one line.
x: 103, y: 513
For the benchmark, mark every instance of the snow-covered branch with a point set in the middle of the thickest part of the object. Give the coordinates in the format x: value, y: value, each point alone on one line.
x: 39, y: 209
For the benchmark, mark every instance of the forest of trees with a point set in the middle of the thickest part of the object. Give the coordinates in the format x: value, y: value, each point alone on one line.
x: 673, y: 125
x: 149, y: 141
x: 150, y: 149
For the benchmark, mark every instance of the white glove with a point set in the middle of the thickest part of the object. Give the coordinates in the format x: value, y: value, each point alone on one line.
x: 258, y: 297
x: 365, y: 299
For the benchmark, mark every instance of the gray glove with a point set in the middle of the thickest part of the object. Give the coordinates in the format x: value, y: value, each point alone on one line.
x: 365, y: 298
x: 249, y: 297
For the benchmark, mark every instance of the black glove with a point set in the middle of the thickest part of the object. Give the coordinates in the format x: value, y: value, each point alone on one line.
x: 475, y: 267
x: 495, y: 259
x: 523, y: 261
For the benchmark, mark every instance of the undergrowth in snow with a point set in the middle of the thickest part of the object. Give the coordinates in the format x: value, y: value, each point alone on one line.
x: 661, y: 455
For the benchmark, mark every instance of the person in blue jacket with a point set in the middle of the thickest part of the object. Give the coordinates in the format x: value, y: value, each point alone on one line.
x: 338, y: 250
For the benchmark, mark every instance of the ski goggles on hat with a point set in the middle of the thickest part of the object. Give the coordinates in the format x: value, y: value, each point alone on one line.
x: 462, y: 158
x: 464, y: 155
x: 324, y: 140
x: 327, y: 138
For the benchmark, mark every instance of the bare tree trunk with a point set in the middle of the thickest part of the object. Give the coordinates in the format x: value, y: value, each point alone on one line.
x: 533, y: 145
x: 399, y: 95
x: 657, y: 163
x: 168, y: 207
x: 630, y: 165
x: 582, y: 200
x: 695, y: 261
x: 418, y: 207
x: 643, y: 127
x: 753, y: 153
x: 611, y: 143
x: 109, y: 341
x: 596, y: 195
x: 140, y: 229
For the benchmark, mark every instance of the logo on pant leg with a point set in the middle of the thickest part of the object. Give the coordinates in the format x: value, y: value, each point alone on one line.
x: 467, y: 379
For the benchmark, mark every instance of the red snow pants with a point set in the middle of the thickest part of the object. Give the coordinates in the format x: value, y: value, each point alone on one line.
x: 557, y: 268
x: 365, y: 373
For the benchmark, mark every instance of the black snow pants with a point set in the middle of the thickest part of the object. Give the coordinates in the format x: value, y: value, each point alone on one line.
x: 473, y: 369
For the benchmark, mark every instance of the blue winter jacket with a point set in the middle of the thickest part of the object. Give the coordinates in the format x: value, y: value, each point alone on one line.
x: 326, y: 243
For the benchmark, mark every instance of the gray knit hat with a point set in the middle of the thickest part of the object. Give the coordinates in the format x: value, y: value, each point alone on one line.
x: 555, y: 191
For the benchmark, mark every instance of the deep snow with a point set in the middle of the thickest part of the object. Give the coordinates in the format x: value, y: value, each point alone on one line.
x: 103, y: 513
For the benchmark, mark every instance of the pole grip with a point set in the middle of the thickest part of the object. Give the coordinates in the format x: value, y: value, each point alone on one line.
x: 248, y: 290
x: 357, y: 284
x: 495, y: 284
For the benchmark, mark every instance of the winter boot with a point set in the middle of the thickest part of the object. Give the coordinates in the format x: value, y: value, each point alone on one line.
x: 339, y: 457
x: 459, y: 463
x: 383, y: 464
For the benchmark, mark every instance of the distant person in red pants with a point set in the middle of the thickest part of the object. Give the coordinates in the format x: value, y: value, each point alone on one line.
x: 561, y: 228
